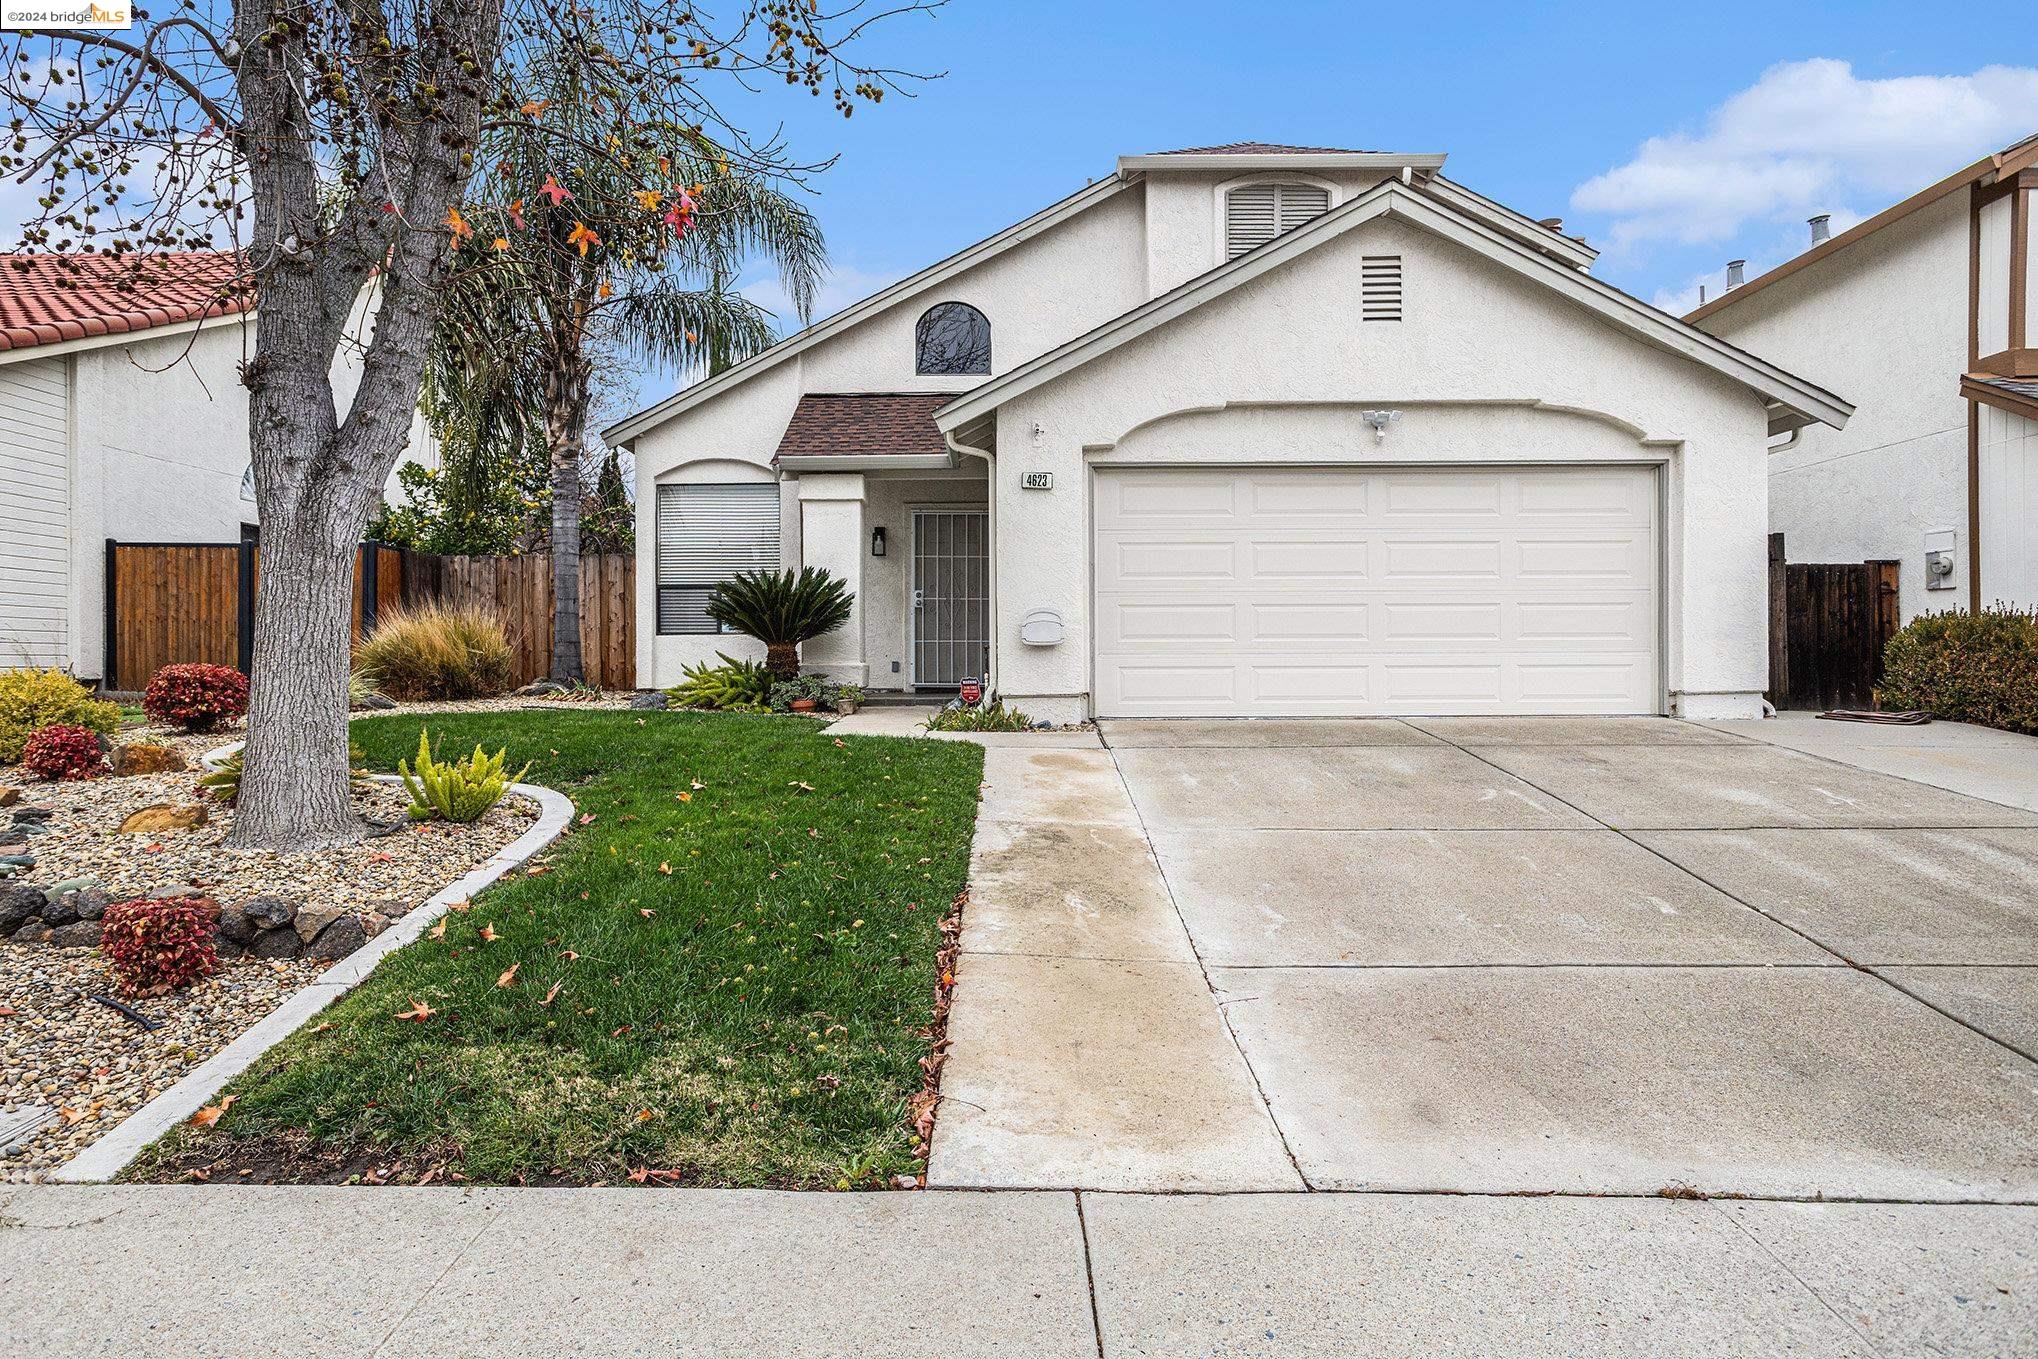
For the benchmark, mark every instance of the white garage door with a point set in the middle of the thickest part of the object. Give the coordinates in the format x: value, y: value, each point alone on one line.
x: 1319, y: 591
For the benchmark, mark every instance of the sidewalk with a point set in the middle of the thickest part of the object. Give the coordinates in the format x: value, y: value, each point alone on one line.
x: 442, y: 1272
x: 1978, y: 761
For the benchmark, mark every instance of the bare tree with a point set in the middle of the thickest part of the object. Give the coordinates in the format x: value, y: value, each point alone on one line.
x: 331, y: 144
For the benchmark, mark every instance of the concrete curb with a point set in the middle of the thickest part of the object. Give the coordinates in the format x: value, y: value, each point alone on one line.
x: 110, y: 1155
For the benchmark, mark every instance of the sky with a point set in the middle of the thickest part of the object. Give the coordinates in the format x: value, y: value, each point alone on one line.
x: 1674, y: 138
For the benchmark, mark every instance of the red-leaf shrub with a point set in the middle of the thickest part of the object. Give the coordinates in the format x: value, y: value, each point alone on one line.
x: 158, y: 946
x: 63, y: 752
x: 196, y: 697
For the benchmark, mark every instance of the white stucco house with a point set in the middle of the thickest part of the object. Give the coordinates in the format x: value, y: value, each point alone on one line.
x: 122, y: 416
x: 1245, y: 430
x: 1922, y: 313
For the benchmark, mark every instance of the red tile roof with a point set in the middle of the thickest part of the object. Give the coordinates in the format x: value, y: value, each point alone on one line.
x: 1264, y: 149
x: 865, y: 423
x: 46, y: 299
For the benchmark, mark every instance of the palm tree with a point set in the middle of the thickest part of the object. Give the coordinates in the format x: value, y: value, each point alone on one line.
x: 782, y: 609
x: 581, y: 243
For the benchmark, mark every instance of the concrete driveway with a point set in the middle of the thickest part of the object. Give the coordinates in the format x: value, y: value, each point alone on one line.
x: 1573, y: 956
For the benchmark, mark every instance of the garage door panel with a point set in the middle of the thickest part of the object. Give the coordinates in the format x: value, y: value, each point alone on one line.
x: 1321, y: 592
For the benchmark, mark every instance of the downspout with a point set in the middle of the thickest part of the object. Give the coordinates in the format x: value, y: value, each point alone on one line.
x: 962, y: 449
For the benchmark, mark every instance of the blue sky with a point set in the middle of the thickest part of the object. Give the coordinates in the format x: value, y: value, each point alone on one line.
x: 1764, y: 113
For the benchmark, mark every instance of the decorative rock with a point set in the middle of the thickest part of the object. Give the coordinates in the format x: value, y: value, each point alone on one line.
x: 13, y: 835
x: 18, y: 860
x: 77, y: 934
x: 92, y: 902
x: 235, y: 925
x: 165, y: 816
x: 315, y: 917
x: 143, y: 758
x: 60, y: 910
x: 282, y: 943
x: 378, y: 702
x: 9, y: 796
x: 270, y: 912
x: 20, y: 902
x: 174, y: 892
x: 654, y: 701
x: 31, y: 932
x: 541, y: 688
x: 374, y: 923
x: 338, y: 939
x: 227, y: 949
x: 395, y: 908
x: 33, y: 813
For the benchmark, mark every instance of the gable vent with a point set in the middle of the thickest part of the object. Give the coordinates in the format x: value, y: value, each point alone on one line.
x: 1380, y: 287
x: 1256, y: 213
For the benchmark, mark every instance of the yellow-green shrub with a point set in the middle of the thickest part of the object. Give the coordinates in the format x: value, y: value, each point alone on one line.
x: 437, y: 652
x: 1966, y: 667
x: 33, y: 699
x: 457, y: 790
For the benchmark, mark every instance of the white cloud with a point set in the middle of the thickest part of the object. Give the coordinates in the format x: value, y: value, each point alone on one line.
x: 839, y: 289
x: 1805, y: 138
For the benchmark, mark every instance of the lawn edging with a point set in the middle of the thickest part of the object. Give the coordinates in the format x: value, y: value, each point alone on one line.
x: 106, y: 1158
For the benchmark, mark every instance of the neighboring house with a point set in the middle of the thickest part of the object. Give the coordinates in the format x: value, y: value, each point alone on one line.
x: 1924, y: 313
x: 1247, y: 429
x: 122, y: 416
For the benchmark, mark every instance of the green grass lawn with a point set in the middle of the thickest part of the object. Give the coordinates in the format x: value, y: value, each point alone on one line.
x: 727, y: 971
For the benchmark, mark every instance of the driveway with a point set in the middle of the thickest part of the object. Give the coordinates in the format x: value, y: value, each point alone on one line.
x: 1571, y: 956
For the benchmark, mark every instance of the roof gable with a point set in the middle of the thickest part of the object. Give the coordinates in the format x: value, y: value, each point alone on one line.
x: 1798, y: 401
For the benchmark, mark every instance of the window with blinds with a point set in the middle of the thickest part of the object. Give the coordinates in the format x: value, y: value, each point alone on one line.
x: 705, y: 535
x: 1256, y: 213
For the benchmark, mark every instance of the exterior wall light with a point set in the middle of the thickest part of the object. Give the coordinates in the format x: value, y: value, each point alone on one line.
x: 877, y: 542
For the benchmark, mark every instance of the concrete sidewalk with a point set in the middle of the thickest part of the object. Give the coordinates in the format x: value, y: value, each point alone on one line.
x: 2000, y: 766
x: 173, y: 1271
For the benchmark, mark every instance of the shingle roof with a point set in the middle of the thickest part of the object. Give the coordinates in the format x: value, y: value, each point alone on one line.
x: 2024, y: 387
x: 2021, y: 393
x: 46, y: 299
x: 865, y: 423
x: 1264, y: 147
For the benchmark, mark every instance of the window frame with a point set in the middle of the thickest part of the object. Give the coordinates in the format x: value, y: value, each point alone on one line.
x: 704, y: 582
x: 1221, y: 208
x: 919, y: 330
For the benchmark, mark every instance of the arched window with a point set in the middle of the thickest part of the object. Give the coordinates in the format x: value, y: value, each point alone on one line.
x: 248, y: 484
x: 1256, y: 213
x: 953, y: 338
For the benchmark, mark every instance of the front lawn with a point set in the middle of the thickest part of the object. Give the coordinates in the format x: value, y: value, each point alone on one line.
x: 724, y: 975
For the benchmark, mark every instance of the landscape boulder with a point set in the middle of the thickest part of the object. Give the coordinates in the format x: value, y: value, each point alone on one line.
x: 270, y: 912
x: 313, y: 917
x: 235, y: 925
x: 77, y: 934
x: 653, y: 701
x: 19, y: 902
x: 282, y: 943
x: 141, y: 757
x: 165, y: 816
x: 338, y: 939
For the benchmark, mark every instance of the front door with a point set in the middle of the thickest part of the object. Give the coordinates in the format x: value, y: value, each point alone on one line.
x: 951, y: 596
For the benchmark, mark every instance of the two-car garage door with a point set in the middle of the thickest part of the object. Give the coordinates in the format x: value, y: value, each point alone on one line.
x: 1331, y: 591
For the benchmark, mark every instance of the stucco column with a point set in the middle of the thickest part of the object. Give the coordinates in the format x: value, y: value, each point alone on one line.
x: 831, y: 537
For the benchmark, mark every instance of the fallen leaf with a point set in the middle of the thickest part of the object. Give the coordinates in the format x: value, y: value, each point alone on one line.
x: 535, y: 870
x: 212, y: 1113
x: 418, y: 1012
x: 646, y: 912
x: 587, y: 818
x: 322, y: 1027
x: 684, y: 797
x: 439, y: 930
x: 698, y: 785
x: 569, y: 955
x: 463, y: 907
x: 802, y: 785
x: 553, y: 993
x: 841, y: 744
x: 507, y: 978
x: 665, y: 868
x: 488, y: 932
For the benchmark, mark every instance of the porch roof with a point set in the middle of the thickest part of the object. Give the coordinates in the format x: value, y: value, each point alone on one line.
x: 862, y: 425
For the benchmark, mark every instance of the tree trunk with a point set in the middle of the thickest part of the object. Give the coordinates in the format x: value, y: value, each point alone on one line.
x: 565, y: 428
x: 782, y: 659
x: 294, y: 791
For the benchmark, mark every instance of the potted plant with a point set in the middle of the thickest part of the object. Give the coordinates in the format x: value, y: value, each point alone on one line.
x: 782, y: 609
x: 848, y: 699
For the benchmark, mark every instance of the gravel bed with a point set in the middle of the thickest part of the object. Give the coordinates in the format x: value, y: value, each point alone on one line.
x: 61, y: 1048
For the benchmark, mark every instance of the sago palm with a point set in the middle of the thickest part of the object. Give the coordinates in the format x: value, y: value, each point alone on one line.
x: 782, y: 609
x: 597, y: 245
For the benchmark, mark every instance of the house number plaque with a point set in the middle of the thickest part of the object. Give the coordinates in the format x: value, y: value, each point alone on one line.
x: 1036, y: 481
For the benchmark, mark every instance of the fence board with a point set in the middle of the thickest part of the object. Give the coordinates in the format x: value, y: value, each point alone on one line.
x: 1836, y: 619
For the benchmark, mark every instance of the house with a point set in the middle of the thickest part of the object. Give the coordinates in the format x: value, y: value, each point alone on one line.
x: 1245, y: 430
x: 122, y: 416
x: 1924, y: 313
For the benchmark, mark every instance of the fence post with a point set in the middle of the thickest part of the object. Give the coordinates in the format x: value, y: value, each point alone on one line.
x: 244, y: 604
x: 1779, y: 624
x: 110, y: 661
x: 370, y: 558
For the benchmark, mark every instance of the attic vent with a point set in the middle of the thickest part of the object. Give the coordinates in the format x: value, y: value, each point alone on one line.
x: 1256, y: 213
x: 1380, y: 287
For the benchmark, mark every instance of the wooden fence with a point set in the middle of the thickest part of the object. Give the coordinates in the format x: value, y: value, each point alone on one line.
x: 184, y: 602
x: 1828, y: 625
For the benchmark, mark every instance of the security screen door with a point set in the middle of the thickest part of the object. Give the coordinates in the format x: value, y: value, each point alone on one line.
x: 951, y: 596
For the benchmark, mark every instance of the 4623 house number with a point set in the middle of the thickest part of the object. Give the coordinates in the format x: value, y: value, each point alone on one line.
x: 1036, y: 481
